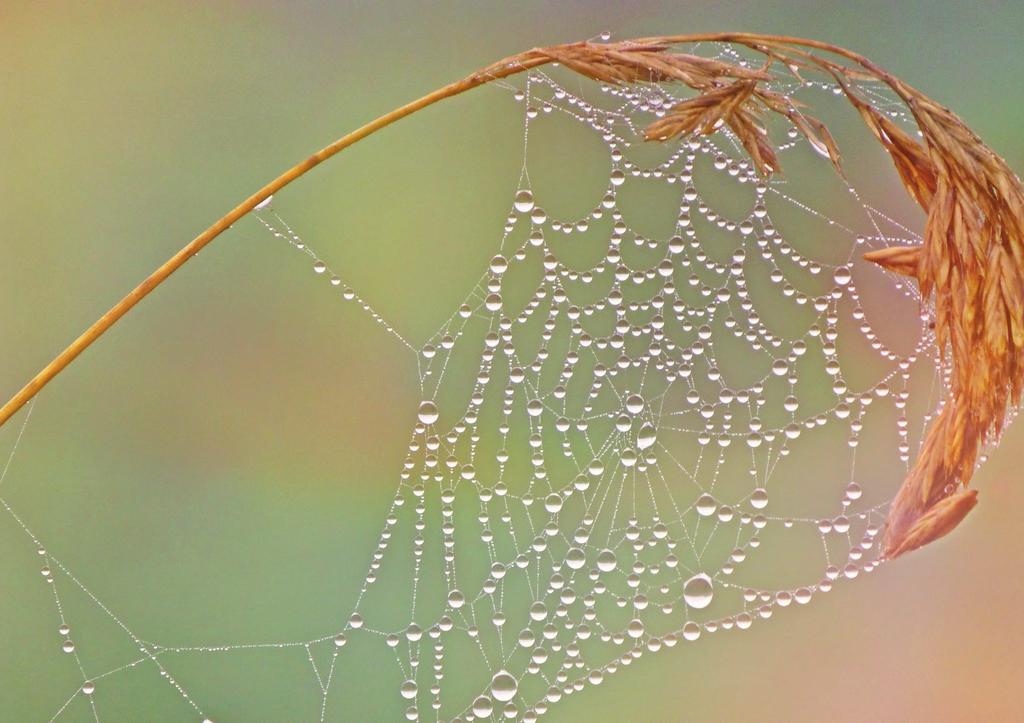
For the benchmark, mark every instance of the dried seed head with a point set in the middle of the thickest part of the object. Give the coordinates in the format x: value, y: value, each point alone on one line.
x: 971, y: 262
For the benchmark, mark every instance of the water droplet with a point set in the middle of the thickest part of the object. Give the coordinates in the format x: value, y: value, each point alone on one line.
x: 634, y: 404
x: 524, y: 201
x: 575, y: 558
x: 759, y: 498
x: 504, y: 686
x: 483, y: 706
x: 499, y: 264
x: 646, y: 436
x: 265, y: 203
x: 408, y: 689
x: 428, y: 413
x: 456, y: 599
x: 706, y: 505
x: 493, y: 302
x: 698, y: 591
x: 88, y: 687
x: 842, y: 275
x: 606, y: 561
x: 340, y: 640
x: 319, y: 267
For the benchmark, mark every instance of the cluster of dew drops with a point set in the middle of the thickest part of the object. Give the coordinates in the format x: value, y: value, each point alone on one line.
x: 636, y: 427
x: 675, y: 363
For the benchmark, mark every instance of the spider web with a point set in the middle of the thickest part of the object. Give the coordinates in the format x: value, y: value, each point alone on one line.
x: 600, y: 466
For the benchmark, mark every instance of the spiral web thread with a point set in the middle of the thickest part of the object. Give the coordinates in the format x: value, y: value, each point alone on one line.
x: 588, y: 483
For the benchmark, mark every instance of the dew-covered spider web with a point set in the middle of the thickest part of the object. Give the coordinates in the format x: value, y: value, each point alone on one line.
x: 664, y: 419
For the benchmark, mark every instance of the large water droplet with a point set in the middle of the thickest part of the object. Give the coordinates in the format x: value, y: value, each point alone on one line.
x: 759, y: 498
x: 698, y: 591
x: 499, y: 264
x: 606, y: 560
x: 706, y: 505
x: 428, y: 413
x: 646, y: 436
x: 842, y: 275
x: 483, y: 706
x: 575, y: 558
x: 524, y: 201
x: 504, y: 686
x: 634, y: 404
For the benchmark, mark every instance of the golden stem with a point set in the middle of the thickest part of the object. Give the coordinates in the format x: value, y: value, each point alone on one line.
x: 90, y: 335
x: 504, y: 68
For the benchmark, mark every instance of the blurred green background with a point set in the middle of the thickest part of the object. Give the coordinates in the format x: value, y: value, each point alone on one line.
x: 216, y: 468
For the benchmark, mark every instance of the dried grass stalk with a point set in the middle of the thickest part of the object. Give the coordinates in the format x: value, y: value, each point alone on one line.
x: 971, y: 262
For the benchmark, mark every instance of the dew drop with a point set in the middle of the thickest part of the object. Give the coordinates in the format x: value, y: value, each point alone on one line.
x: 493, y: 302
x: 483, y: 706
x: 842, y: 275
x: 575, y: 558
x: 759, y: 498
x: 698, y: 591
x: 499, y: 264
x: 553, y: 503
x: 606, y: 561
x: 706, y: 505
x: 524, y: 201
x: 428, y: 413
x: 646, y: 437
x: 504, y: 686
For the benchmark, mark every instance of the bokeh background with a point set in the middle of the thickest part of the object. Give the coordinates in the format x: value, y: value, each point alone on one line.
x: 216, y: 468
